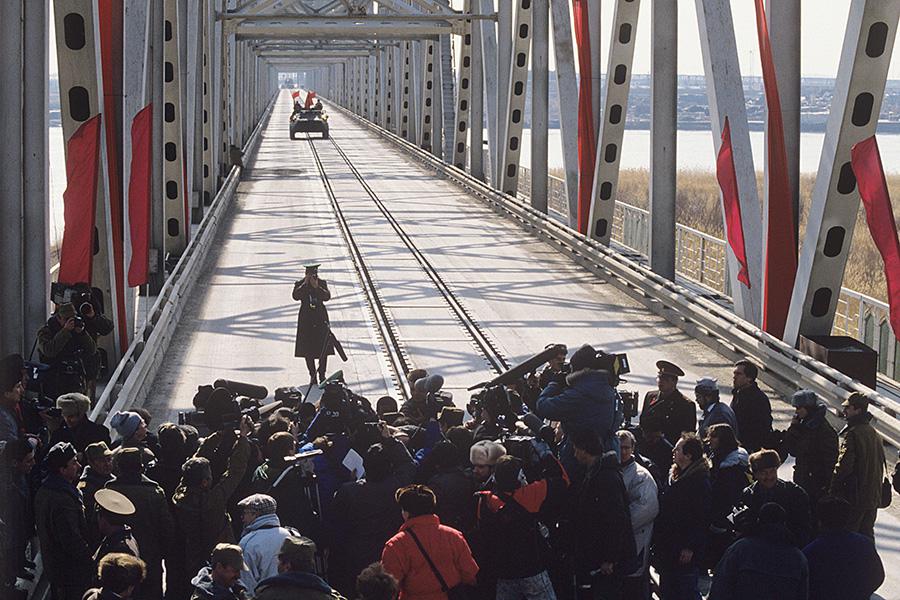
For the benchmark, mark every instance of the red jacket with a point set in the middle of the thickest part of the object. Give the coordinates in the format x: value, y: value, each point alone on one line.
x: 447, y: 548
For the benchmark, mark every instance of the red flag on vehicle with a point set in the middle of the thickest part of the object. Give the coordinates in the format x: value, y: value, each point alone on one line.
x: 781, y: 245
x: 139, y: 196
x: 295, y: 94
x: 80, y: 203
x: 587, y: 138
x: 731, y: 201
x: 866, y: 162
x: 309, y: 99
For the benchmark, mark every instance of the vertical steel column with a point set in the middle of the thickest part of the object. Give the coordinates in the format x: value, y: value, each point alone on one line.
x: 370, y: 88
x: 567, y: 91
x: 12, y: 335
x: 193, y: 52
x: 405, y: 94
x: 488, y: 32
x: 425, y: 140
x: 476, y: 114
x: 515, y: 108
x: 216, y: 114
x: 464, y: 93
x: 173, y: 167
x: 208, y: 174
x: 81, y: 85
x: 663, y: 136
x: 594, y: 21
x: 784, y: 29
x: 378, y: 114
x: 437, y: 126
x: 157, y: 209
x: 504, y: 62
x: 726, y: 100
x: 609, y: 149
x: 389, y: 101
x: 415, y: 88
x: 540, y: 98
x: 35, y: 173
x: 858, y: 95
x: 447, y: 99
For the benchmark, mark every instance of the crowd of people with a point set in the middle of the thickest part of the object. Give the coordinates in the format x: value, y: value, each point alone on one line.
x: 547, y: 491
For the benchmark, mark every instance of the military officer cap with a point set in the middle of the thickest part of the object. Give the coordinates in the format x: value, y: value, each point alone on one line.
x: 311, y: 268
x: 97, y: 451
x: 670, y: 369
x: 114, y: 502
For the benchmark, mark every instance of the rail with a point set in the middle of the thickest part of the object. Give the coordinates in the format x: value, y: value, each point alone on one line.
x: 701, y: 258
x: 784, y: 367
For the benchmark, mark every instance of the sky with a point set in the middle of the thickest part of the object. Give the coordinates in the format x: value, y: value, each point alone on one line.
x: 823, y: 23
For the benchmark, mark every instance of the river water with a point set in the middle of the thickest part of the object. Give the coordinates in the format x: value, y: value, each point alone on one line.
x: 695, y: 151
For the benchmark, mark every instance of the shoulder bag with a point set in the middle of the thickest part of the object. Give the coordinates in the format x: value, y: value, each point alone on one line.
x: 457, y: 593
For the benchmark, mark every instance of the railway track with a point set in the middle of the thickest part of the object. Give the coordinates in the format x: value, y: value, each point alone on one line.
x: 392, y: 344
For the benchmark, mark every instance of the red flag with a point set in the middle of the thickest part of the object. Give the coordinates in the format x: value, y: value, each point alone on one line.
x: 781, y: 245
x: 309, y: 99
x: 866, y: 162
x: 587, y: 139
x: 80, y: 203
x: 139, y: 196
x: 295, y: 94
x: 731, y: 200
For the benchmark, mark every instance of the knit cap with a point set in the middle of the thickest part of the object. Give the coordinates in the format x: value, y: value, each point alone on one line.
x: 125, y: 423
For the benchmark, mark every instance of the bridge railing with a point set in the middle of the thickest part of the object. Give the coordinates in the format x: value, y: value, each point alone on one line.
x: 701, y: 258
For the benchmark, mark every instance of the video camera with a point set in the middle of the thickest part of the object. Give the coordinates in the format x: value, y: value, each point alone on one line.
x: 79, y: 295
x: 340, y: 410
x: 221, y: 406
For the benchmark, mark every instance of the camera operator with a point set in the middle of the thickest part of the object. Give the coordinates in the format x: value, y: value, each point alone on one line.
x: 491, y: 409
x: 512, y: 546
x: 587, y: 402
x: 68, y: 348
x: 557, y: 368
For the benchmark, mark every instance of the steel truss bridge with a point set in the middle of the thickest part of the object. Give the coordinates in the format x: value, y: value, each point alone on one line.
x: 437, y: 245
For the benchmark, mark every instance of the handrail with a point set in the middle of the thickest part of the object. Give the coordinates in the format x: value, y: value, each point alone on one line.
x: 782, y: 365
x: 142, y: 359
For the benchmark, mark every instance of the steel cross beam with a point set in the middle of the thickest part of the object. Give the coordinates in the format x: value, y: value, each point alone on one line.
x: 609, y: 154
x: 859, y: 91
x: 726, y: 100
x: 464, y: 95
x: 515, y: 108
x: 343, y: 29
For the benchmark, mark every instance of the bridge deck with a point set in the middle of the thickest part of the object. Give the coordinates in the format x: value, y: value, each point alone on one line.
x: 241, y: 323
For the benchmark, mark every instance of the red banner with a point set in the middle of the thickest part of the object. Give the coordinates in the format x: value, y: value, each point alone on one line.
x: 731, y: 201
x: 309, y: 99
x: 873, y: 190
x: 80, y: 203
x: 295, y: 94
x: 587, y: 138
x: 139, y: 196
x: 781, y: 245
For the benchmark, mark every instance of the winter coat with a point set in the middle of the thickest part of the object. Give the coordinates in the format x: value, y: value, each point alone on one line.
x: 859, y: 471
x: 843, y: 565
x: 313, y: 339
x: 673, y: 414
x: 453, y: 489
x: 206, y: 589
x: 121, y: 541
x: 152, y: 523
x: 765, y: 566
x: 286, y: 483
x: 62, y: 531
x: 753, y: 411
x: 261, y: 542
x: 295, y: 585
x: 814, y: 444
x: 588, y: 403
x: 791, y: 498
x: 717, y: 413
x: 70, y: 354
x: 202, y: 515
x: 729, y: 477
x: 364, y: 515
x: 88, y: 484
x: 447, y: 549
x: 643, y: 506
x: 601, y: 519
x: 83, y: 435
x: 684, y: 517
x: 508, y: 531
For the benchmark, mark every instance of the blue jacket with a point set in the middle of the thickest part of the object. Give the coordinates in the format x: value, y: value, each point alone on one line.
x: 843, y: 566
x: 588, y: 403
x: 716, y: 413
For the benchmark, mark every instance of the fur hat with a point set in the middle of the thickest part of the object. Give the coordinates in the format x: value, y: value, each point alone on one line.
x: 486, y: 452
x: 73, y: 404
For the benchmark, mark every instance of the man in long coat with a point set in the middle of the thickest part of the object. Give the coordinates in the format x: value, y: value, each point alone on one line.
x: 314, y: 340
x: 673, y: 413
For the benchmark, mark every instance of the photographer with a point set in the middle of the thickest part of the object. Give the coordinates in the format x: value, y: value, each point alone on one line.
x: 313, y: 330
x: 69, y: 349
x: 586, y: 403
x: 491, y: 409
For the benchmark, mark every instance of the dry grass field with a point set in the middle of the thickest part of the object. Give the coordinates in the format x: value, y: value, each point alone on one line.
x: 697, y: 206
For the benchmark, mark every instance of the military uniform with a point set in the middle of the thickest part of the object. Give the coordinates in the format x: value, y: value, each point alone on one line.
x: 672, y: 414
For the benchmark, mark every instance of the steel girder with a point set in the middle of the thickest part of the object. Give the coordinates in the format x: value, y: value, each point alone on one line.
x: 726, y: 100
x: 405, y: 94
x: 177, y: 223
x: 540, y: 98
x: 476, y: 110
x: 567, y: 88
x: 515, y: 108
x: 858, y: 95
x: 612, y: 128
x: 464, y: 95
x: 425, y: 140
x: 344, y: 28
